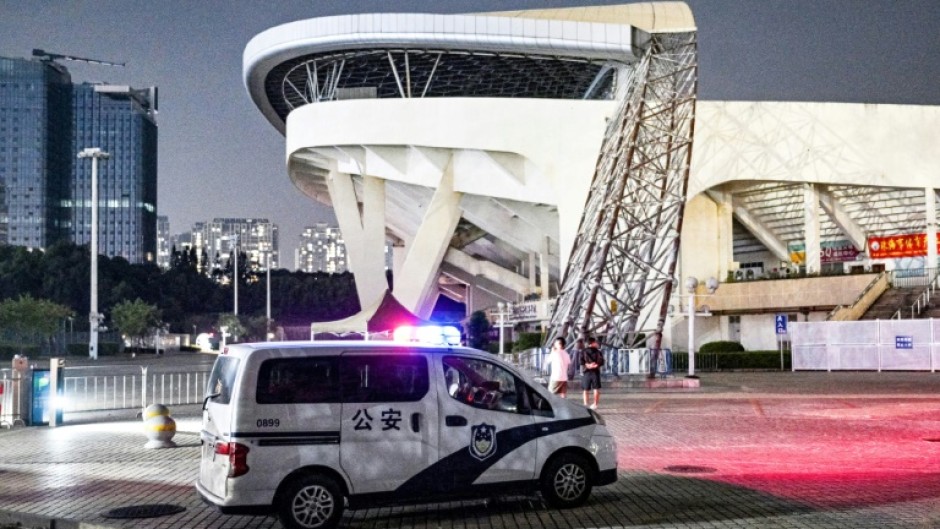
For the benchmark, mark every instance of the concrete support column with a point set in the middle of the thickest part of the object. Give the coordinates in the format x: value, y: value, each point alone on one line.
x: 415, y: 286
x: 811, y: 229
x: 533, y: 285
x: 363, y: 233
x: 930, y: 204
x: 399, y: 251
x: 543, y: 265
x: 725, y: 216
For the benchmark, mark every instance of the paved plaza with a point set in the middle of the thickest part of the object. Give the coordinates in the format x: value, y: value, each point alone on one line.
x: 840, y: 450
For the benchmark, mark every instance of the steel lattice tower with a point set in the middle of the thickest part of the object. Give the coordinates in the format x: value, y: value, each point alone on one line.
x: 621, y: 271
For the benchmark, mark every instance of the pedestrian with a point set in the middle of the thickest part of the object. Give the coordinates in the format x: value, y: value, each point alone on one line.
x: 559, y: 361
x: 591, y: 360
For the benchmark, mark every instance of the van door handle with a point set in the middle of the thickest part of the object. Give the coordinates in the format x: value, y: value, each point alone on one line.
x: 455, y: 420
x: 415, y: 422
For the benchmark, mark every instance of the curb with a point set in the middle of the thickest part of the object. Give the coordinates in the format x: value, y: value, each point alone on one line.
x: 34, y: 521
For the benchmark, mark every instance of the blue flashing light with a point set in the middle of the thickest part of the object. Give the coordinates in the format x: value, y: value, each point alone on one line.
x: 428, y: 334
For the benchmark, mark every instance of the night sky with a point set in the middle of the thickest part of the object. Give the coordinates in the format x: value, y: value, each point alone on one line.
x: 219, y: 157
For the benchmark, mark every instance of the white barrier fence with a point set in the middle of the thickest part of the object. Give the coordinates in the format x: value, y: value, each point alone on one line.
x: 10, y: 395
x: 867, y: 345
x: 89, y: 392
x: 617, y: 362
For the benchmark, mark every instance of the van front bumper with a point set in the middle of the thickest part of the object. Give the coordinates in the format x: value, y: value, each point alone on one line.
x: 605, y: 477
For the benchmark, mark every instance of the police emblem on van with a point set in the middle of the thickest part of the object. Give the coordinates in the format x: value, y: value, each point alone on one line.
x: 483, y: 442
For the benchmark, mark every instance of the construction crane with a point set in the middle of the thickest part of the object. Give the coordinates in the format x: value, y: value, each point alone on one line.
x: 44, y: 55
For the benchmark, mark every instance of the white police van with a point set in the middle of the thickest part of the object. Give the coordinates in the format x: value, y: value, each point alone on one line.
x: 305, y: 428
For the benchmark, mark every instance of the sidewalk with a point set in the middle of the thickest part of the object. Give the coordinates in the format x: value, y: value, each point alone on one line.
x: 846, y: 450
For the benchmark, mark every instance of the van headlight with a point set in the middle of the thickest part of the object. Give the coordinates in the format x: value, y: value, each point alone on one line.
x: 597, y: 417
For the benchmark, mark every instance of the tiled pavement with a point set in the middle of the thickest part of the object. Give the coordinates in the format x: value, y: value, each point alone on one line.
x: 787, y: 450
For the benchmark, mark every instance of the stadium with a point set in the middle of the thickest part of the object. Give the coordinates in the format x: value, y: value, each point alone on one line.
x: 484, y: 146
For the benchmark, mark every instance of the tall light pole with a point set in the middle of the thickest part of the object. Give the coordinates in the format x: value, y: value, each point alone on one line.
x: 94, y: 319
x: 267, y: 325
x: 711, y: 284
x: 235, y: 274
x: 504, y: 310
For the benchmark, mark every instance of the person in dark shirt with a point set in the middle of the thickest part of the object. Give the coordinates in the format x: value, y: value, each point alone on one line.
x: 591, y: 360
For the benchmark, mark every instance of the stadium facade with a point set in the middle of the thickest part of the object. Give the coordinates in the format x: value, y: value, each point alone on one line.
x: 472, y: 141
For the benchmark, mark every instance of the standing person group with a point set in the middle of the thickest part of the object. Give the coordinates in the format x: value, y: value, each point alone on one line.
x: 564, y: 367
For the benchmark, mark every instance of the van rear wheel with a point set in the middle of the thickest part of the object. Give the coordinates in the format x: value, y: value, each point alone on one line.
x: 313, y: 501
x: 566, y: 481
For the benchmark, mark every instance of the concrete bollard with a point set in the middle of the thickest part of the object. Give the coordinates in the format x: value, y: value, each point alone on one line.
x: 159, y: 427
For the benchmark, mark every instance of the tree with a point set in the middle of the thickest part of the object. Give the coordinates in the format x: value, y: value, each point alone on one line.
x: 232, y: 324
x: 136, y: 319
x: 32, y: 318
x: 477, y: 329
x: 256, y: 328
x: 191, y: 289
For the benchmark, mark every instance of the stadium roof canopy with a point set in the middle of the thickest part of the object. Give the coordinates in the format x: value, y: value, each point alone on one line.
x: 553, y: 53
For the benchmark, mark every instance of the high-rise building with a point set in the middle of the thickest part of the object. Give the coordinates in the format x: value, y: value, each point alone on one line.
x: 256, y: 238
x: 321, y: 250
x: 35, y: 151
x: 45, y: 191
x: 164, y: 241
x: 119, y: 120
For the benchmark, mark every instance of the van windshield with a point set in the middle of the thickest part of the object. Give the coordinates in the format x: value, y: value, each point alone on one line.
x: 222, y: 379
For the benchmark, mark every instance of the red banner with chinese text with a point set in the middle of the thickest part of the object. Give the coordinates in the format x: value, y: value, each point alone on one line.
x: 894, y: 246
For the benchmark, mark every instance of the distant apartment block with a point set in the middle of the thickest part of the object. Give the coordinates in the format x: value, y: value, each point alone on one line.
x: 256, y: 238
x: 321, y: 250
x: 164, y: 241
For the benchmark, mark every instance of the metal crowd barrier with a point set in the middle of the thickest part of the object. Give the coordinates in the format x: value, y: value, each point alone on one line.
x: 641, y: 361
x: 617, y: 362
x: 11, y: 394
x: 94, y: 392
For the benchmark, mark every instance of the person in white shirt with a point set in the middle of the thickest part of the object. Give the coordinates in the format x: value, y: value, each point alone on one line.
x: 559, y: 360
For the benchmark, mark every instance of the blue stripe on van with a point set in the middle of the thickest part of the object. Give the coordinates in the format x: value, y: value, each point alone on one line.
x: 460, y: 469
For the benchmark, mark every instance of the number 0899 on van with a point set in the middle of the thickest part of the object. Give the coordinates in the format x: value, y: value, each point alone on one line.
x: 308, y: 429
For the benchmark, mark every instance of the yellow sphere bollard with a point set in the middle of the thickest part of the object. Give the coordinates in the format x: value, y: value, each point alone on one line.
x: 159, y: 427
x: 155, y: 410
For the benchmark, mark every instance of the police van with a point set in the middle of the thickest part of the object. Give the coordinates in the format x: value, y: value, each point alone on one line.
x: 308, y: 429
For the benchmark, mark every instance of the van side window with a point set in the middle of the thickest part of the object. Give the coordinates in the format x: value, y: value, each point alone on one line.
x: 540, y: 405
x: 298, y: 380
x: 222, y: 379
x: 384, y: 378
x: 484, y: 385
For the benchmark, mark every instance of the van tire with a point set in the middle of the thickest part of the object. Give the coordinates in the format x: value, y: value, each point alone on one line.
x: 566, y: 481
x: 312, y: 501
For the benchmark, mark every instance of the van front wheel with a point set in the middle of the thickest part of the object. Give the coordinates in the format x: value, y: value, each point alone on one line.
x: 311, y: 502
x: 566, y: 481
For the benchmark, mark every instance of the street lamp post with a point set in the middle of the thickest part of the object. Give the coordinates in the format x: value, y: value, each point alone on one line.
x: 94, y: 319
x: 267, y: 325
x: 711, y: 284
x: 504, y: 309
x: 235, y: 275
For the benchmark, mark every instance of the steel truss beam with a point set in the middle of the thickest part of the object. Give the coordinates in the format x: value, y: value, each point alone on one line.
x: 622, y: 267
